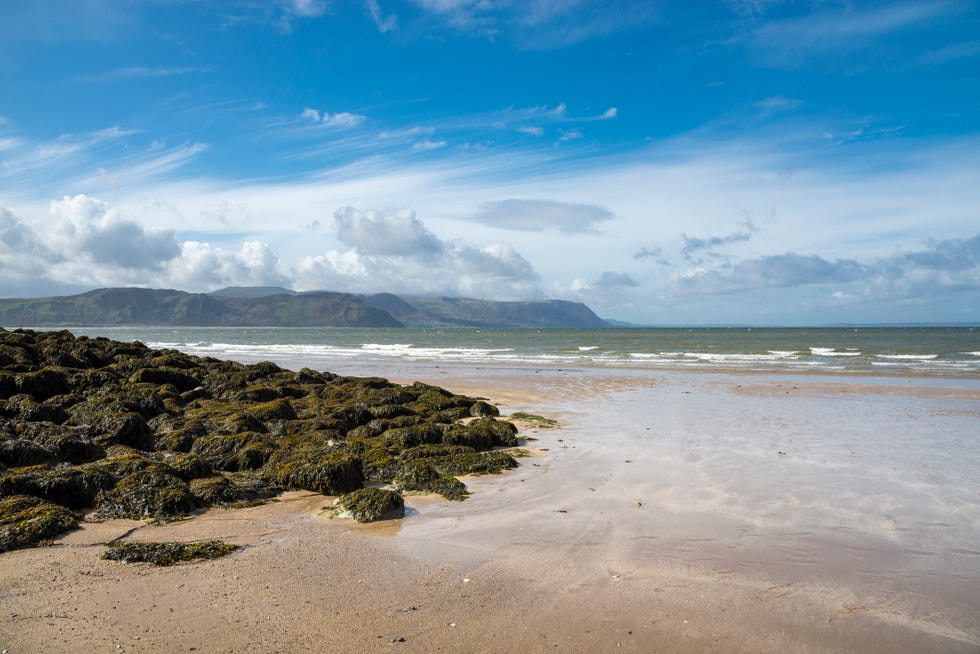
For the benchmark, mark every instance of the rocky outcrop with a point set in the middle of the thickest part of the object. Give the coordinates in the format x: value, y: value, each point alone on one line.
x: 127, y: 431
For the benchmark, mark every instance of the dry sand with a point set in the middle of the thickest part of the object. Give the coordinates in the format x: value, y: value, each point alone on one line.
x: 706, y: 541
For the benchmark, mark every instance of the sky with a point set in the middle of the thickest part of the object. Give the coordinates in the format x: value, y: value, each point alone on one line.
x: 666, y: 162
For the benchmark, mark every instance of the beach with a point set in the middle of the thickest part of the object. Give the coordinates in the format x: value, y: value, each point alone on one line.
x: 667, y: 511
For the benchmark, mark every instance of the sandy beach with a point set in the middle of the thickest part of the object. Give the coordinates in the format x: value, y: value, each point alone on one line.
x: 668, y: 511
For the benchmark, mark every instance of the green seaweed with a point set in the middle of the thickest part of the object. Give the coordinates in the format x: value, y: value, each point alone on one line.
x: 420, y: 475
x: 148, y: 493
x: 27, y: 521
x: 167, y: 553
x: 370, y: 504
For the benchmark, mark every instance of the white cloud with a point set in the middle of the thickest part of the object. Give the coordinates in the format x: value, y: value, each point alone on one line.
x: 609, y: 289
x: 425, y: 146
x: 540, y: 215
x: 946, y: 54
x: 341, y: 119
x: 393, y: 251
x: 384, y: 24
x: 88, y: 226
x: 950, y: 265
x: 531, y: 130
x: 837, y: 32
x: 306, y: 8
x: 570, y: 135
x: 202, y: 267
x: 389, y: 232
x: 143, y: 72
x: 539, y: 24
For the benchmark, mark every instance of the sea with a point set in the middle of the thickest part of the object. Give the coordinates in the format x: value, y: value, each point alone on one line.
x: 937, y: 351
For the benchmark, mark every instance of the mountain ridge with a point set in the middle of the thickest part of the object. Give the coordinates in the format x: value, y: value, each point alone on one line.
x: 283, y: 307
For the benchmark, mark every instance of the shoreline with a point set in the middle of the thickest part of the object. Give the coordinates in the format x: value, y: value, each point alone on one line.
x: 579, y: 548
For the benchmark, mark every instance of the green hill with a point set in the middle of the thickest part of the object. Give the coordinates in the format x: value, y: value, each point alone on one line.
x: 142, y: 306
x: 283, y: 307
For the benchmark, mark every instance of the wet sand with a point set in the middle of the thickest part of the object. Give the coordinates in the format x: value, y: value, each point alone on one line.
x: 668, y: 512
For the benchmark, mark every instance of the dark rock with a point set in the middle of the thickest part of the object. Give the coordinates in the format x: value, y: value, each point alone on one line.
x: 146, y: 494
x: 419, y: 475
x: 370, y: 504
x: 329, y: 473
x: 30, y: 521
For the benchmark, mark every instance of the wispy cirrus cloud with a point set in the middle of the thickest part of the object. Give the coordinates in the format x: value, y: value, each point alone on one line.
x: 832, y: 33
x: 340, y: 119
x: 953, y: 52
x: 143, y: 72
x: 694, y: 245
x: 538, y: 24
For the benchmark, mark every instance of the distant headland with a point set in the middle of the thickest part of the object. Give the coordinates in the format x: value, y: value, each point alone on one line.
x: 283, y: 307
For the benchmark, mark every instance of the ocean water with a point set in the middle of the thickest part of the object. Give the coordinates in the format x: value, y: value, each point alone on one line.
x: 925, y: 351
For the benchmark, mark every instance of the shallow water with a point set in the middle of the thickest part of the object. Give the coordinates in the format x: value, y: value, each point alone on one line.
x: 948, y: 351
x: 865, y: 499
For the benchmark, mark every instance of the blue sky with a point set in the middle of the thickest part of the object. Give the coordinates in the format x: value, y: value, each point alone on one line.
x: 750, y: 161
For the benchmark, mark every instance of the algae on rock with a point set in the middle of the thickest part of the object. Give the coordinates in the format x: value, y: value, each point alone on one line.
x: 141, y: 433
x: 167, y: 553
x: 27, y: 521
x: 370, y: 504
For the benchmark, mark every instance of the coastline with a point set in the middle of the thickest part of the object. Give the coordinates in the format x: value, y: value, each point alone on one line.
x: 595, y: 544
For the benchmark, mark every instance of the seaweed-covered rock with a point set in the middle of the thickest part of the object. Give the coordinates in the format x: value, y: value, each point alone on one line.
x: 419, y: 475
x: 166, y: 375
x: 233, y: 490
x: 500, y: 432
x: 44, y: 383
x: 27, y: 521
x: 17, y: 452
x: 406, y: 437
x: 74, y: 487
x: 112, y: 424
x: 136, y: 432
x: 329, y: 473
x: 167, y: 553
x: 278, y: 409
x: 147, y: 494
x: 370, y: 504
x: 232, y: 452
x: 473, y: 463
x: 482, y: 409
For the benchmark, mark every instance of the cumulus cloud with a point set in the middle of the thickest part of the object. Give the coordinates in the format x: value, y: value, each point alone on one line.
x: 201, y: 266
x: 23, y: 257
x: 388, y: 232
x: 392, y: 250
x: 541, y: 215
x: 88, y: 226
x: 90, y: 244
x: 610, y: 288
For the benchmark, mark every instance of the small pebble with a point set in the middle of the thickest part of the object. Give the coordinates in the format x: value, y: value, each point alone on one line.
x: 400, y: 639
